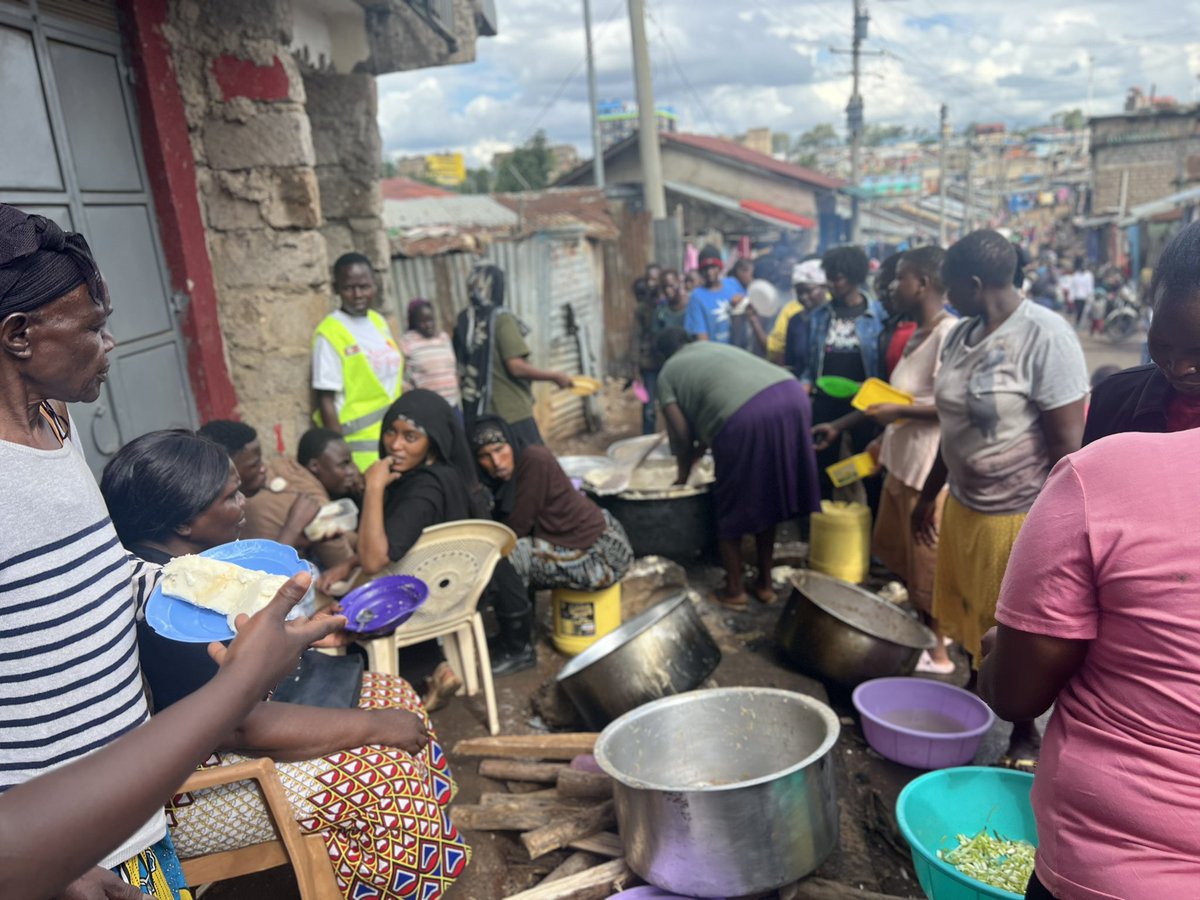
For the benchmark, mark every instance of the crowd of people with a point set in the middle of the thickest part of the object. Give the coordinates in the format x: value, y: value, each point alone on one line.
x: 1060, y: 571
x: 1063, y: 573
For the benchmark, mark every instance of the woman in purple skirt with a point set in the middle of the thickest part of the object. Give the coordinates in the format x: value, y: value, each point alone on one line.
x: 757, y: 419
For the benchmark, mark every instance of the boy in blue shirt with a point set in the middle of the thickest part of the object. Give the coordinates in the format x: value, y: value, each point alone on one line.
x: 708, y: 310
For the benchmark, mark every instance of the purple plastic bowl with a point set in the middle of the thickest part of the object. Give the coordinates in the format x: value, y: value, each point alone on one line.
x: 922, y: 723
x: 383, y: 605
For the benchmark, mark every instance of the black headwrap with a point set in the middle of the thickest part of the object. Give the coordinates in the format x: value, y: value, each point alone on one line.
x: 39, y: 262
x: 437, y: 418
x: 494, y: 430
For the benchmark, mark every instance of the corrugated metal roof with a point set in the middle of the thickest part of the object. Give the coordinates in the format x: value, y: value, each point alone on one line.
x: 467, y: 222
x: 401, y: 188
x: 468, y: 210
x: 730, y: 150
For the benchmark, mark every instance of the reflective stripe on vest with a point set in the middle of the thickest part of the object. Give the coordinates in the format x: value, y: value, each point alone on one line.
x: 366, y: 400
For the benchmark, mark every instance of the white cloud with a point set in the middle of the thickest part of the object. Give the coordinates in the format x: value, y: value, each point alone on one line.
x: 726, y: 70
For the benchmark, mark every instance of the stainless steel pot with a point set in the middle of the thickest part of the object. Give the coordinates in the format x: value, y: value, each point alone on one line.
x: 666, y: 650
x: 724, y: 792
x: 839, y: 632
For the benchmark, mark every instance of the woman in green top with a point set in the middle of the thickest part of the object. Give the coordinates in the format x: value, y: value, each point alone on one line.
x: 493, y: 359
x: 757, y: 419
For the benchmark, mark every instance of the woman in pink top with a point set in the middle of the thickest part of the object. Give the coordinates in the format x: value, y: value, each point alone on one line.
x: 429, y: 354
x: 1098, y: 616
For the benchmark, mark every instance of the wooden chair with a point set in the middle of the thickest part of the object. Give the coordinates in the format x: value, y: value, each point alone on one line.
x: 305, y: 853
x: 456, y: 560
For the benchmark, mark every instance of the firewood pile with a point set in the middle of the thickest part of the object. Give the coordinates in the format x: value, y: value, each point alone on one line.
x: 556, y: 805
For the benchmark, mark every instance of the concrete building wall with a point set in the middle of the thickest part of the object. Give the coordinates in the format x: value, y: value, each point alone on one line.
x: 1155, y: 151
x: 251, y: 137
x: 348, y: 148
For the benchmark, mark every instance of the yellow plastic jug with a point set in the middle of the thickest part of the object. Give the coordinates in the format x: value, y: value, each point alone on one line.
x: 840, y: 540
x: 583, y: 617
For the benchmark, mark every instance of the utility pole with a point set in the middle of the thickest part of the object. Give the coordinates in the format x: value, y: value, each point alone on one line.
x: 597, y: 149
x: 854, y: 115
x: 656, y: 200
x: 944, y: 133
x: 969, y: 200
x: 854, y: 110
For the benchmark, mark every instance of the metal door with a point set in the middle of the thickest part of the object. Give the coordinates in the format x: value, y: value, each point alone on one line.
x: 71, y: 153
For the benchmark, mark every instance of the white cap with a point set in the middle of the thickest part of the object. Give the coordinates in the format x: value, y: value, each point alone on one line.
x: 808, y: 272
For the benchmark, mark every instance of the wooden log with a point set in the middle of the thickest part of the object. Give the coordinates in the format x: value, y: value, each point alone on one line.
x: 603, y: 844
x: 584, y: 785
x: 576, y: 862
x: 524, y: 787
x: 824, y: 889
x: 562, y: 831
x: 499, y: 818
x: 520, y: 770
x: 596, y: 883
x: 529, y: 746
x: 547, y: 797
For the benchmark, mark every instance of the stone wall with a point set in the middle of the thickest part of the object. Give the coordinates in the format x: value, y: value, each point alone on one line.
x: 252, y: 141
x: 342, y: 110
x: 1156, y: 151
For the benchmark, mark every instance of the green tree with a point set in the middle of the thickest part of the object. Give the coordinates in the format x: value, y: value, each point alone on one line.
x: 387, y: 168
x: 823, y: 135
x: 527, y: 167
x: 479, y: 181
x: 1071, y: 119
x: 874, y: 135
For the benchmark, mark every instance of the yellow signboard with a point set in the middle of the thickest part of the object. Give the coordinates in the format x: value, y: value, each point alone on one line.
x: 447, y: 169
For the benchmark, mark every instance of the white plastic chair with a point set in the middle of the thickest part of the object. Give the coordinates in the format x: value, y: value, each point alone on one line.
x: 456, y: 560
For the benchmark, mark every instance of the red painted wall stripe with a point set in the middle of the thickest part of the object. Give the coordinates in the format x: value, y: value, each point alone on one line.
x: 245, y: 78
x: 172, y: 172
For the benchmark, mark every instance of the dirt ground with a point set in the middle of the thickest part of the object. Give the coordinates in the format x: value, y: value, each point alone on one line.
x: 871, y: 854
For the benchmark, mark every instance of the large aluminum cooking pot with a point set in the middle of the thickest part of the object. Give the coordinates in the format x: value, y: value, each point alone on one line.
x: 724, y: 792
x: 839, y: 632
x: 666, y: 650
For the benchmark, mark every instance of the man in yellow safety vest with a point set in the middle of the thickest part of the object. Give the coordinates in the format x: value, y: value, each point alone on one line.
x: 357, y: 365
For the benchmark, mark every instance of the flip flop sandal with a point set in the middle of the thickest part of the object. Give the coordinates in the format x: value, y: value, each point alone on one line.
x: 926, y: 665
x: 1017, y: 763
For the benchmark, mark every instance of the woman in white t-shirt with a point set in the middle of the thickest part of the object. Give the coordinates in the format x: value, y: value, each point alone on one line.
x: 909, y: 444
x: 351, y: 399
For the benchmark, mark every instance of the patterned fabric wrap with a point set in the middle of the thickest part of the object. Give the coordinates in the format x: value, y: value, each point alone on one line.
x: 543, y: 565
x: 155, y: 871
x: 381, y: 812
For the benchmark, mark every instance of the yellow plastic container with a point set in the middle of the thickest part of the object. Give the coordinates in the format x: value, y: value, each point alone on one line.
x: 583, y: 617
x: 851, y: 469
x: 840, y: 540
x: 875, y: 391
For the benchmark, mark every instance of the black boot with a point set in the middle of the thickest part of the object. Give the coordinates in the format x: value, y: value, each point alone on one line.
x: 513, y: 648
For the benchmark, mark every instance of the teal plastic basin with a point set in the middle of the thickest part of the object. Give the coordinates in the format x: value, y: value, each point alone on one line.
x: 934, y: 809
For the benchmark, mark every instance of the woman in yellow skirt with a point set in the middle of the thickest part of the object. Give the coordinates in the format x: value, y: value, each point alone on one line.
x: 1010, y: 401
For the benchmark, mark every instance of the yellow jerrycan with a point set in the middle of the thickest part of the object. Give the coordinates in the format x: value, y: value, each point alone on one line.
x: 840, y: 540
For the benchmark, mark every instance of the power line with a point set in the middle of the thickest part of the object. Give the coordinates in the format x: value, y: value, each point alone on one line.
x: 683, y: 77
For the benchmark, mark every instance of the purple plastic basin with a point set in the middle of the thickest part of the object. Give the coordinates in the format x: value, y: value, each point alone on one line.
x: 383, y: 605
x: 922, y: 723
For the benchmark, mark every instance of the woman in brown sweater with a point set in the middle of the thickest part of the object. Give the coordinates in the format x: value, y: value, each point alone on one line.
x: 564, y: 540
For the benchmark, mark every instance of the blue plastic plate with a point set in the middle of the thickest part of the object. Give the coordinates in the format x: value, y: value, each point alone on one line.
x: 181, y: 621
x: 383, y: 605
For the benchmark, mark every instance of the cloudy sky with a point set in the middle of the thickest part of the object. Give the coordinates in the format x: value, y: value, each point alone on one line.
x: 726, y: 67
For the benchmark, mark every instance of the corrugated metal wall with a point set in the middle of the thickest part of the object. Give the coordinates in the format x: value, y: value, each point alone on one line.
x: 624, y: 261
x: 543, y: 273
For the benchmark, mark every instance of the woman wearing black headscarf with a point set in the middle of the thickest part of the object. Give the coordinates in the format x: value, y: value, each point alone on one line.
x: 426, y: 476
x: 493, y: 359
x: 563, y: 538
